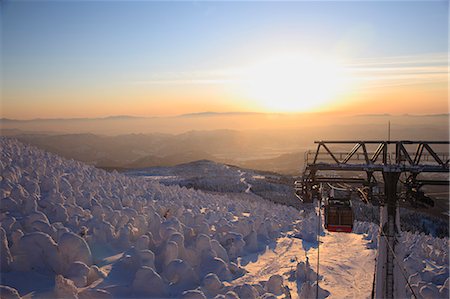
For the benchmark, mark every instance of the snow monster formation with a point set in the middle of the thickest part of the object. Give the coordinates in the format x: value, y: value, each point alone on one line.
x: 69, y: 230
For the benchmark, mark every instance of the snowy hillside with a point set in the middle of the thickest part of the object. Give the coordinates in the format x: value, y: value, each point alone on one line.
x: 69, y: 230
x: 216, y: 177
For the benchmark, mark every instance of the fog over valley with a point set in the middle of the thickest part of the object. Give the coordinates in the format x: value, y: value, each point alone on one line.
x: 271, y: 142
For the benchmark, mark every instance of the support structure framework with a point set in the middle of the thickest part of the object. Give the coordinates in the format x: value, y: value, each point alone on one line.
x: 372, y: 164
x: 387, y: 155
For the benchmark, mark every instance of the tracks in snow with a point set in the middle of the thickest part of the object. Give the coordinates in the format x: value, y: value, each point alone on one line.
x: 244, y: 181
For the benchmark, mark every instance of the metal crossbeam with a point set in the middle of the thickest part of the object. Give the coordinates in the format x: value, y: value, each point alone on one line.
x: 379, y: 141
x: 375, y: 167
x: 339, y: 180
x: 406, y: 161
x: 433, y: 182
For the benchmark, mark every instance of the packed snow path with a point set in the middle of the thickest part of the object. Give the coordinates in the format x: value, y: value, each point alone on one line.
x: 243, y: 181
x: 346, y: 264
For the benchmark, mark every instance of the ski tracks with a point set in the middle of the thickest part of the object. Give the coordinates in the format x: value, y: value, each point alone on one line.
x: 244, y: 181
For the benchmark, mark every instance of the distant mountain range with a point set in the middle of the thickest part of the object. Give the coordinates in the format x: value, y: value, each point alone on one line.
x: 257, y: 141
x: 403, y: 115
x: 206, y: 114
x: 132, y: 117
x: 122, y: 117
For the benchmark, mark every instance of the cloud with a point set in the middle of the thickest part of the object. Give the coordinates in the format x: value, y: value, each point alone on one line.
x: 399, y: 71
x: 365, y: 73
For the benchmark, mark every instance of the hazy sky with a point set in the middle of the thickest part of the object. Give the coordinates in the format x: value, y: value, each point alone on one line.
x: 87, y: 59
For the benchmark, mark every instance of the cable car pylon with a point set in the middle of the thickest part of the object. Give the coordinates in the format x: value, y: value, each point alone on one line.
x: 377, y: 169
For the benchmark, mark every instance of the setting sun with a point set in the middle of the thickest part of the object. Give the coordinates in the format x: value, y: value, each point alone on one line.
x: 285, y: 83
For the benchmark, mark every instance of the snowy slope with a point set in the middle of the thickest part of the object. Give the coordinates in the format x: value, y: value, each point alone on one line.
x: 69, y: 230
x: 82, y: 231
x: 216, y: 177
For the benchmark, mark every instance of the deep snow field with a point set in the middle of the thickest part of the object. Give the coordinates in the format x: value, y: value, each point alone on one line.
x: 69, y: 230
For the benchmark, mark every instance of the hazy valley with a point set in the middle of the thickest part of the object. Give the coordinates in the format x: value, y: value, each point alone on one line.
x: 277, y: 143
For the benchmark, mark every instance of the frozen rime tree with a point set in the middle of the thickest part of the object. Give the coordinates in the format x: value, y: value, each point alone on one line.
x: 275, y: 285
x: 73, y: 248
x: 148, y: 283
x: 9, y: 293
x: 6, y: 258
x: 38, y: 252
x: 65, y: 288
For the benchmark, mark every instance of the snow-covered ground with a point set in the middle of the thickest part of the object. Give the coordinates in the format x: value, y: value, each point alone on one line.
x: 342, y: 273
x: 205, y: 175
x: 69, y: 230
x: 216, y: 177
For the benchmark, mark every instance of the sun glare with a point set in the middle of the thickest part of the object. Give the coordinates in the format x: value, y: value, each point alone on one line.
x: 292, y: 83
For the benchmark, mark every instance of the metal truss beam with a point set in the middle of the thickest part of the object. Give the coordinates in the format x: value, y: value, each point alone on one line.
x: 393, y: 154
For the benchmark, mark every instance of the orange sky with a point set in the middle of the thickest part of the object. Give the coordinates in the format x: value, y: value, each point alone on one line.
x: 362, y: 90
x: 149, y: 58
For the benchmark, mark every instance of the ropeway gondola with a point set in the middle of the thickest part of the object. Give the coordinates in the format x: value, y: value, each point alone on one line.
x: 338, y: 211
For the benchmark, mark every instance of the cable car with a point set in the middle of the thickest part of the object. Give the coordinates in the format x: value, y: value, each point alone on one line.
x: 338, y: 211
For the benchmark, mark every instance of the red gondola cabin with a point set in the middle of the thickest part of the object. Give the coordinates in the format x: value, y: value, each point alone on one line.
x: 338, y: 211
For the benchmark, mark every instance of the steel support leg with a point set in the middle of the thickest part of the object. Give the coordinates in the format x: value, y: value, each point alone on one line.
x: 390, y: 228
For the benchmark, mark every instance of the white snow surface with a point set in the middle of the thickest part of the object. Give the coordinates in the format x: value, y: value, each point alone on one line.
x: 69, y: 230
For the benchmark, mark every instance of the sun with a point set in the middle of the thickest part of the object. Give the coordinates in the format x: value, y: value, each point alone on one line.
x: 293, y: 83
